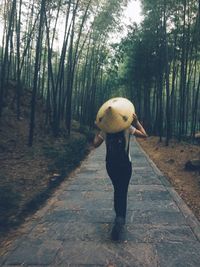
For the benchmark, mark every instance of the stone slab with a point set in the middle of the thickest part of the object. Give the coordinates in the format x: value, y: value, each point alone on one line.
x: 158, y: 233
x: 34, y: 252
x: 178, y: 254
x: 93, y: 253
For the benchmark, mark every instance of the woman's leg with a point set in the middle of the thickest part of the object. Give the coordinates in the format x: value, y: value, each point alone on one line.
x: 120, y: 175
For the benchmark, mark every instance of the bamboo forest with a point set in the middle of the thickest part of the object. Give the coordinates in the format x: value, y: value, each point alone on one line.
x: 156, y: 65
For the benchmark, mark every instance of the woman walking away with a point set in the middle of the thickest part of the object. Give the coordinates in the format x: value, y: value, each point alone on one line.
x: 119, y: 167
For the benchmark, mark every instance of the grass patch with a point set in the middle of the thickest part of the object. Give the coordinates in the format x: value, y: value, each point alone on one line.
x: 9, y: 203
x: 67, y: 156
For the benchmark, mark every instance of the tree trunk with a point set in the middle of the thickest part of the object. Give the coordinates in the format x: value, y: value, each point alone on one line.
x: 35, y: 81
x: 6, y: 55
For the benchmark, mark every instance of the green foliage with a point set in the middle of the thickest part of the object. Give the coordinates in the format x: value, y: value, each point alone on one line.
x: 158, y: 66
x: 108, y: 17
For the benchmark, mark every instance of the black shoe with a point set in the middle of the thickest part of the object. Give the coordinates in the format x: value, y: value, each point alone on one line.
x: 118, y: 229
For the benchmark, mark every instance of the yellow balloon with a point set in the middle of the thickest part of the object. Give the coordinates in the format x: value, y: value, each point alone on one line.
x: 115, y: 115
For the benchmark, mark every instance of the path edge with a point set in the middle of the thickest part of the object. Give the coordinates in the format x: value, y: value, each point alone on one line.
x: 188, y: 214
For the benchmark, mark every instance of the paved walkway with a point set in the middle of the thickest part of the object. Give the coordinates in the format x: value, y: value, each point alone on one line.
x: 73, y: 229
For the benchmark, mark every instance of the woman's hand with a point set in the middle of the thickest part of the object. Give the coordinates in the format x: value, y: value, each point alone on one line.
x: 98, y: 140
x: 135, y: 119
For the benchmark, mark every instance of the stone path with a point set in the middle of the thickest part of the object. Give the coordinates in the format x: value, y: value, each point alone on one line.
x: 73, y: 228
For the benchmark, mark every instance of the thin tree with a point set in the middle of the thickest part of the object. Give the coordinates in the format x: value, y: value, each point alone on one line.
x: 36, y: 70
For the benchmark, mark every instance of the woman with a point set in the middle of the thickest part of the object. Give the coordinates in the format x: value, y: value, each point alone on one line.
x: 119, y: 168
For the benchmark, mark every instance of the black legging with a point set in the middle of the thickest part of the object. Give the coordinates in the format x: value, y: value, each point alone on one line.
x: 120, y: 175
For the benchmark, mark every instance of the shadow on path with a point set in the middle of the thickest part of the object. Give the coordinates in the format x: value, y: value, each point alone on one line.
x: 73, y: 228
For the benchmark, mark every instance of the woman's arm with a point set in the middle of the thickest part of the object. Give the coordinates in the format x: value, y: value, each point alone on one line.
x: 140, y: 131
x: 98, y: 140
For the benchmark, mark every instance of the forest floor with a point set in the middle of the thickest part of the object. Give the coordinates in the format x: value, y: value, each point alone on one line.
x: 171, y: 161
x: 29, y: 175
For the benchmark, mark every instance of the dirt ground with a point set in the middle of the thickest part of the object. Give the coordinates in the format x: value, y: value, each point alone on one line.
x: 171, y: 161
